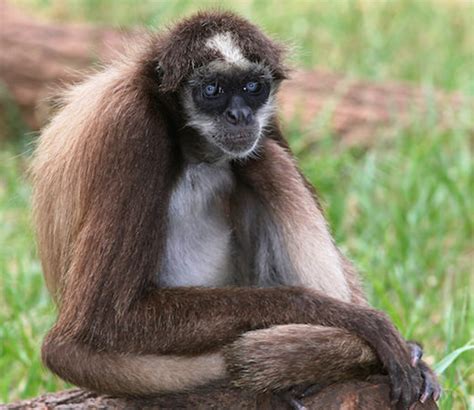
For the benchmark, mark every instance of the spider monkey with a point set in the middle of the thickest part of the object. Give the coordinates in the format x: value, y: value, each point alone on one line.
x: 181, y: 242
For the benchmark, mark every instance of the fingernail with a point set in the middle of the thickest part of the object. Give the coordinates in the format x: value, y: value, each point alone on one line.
x: 423, y: 398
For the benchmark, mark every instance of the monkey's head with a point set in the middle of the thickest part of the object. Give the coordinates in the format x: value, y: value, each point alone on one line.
x: 226, y: 72
x: 230, y: 103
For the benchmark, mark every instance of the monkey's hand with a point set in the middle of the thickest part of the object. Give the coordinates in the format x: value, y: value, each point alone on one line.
x: 411, y: 379
x: 431, y: 387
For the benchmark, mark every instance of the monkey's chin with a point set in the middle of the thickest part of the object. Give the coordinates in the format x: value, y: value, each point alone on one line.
x: 237, y: 146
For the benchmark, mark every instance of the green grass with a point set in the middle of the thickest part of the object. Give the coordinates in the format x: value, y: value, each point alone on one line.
x: 25, y: 308
x: 403, y: 213
x: 403, y: 209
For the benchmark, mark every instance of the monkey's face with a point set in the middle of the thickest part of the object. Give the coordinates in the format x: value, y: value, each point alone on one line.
x: 230, y: 105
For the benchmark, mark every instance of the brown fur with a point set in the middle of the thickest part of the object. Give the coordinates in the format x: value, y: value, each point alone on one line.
x: 129, y: 373
x: 317, y: 262
x: 177, y: 63
x: 275, y: 358
x: 103, y: 173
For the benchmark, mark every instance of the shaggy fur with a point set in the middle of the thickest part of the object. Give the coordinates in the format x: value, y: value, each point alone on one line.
x: 104, y: 173
x: 275, y: 358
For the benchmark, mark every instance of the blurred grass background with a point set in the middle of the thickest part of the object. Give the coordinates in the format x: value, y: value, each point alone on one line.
x: 402, y: 210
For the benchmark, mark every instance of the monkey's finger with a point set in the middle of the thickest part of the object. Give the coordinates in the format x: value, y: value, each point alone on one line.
x: 396, y: 389
x: 406, y: 386
x: 431, y: 387
x: 310, y: 390
x: 294, y: 403
x: 415, y: 356
x: 426, y: 391
x: 399, y: 382
x: 416, y: 353
x: 297, y: 405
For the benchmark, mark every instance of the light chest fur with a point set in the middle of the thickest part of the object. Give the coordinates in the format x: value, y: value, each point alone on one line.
x: 198, y: 247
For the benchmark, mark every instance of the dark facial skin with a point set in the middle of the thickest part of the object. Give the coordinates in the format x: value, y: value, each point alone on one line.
x: 230, y: 100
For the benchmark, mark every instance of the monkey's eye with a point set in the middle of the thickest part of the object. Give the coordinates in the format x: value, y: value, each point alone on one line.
x: 211, y: 90
x: 253, y: 87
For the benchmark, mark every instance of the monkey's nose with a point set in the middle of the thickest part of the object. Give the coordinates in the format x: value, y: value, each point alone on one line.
x: 239, y: 116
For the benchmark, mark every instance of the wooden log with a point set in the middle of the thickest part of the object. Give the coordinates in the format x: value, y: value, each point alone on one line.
x: 352, y: 395
x: 37, y: 57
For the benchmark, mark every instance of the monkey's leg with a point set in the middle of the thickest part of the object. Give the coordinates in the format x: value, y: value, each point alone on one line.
x: 285, y: 356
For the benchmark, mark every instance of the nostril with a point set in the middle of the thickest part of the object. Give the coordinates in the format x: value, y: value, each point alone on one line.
x: 232, y: 116
x: 239, y: 116
x: 247, y: 115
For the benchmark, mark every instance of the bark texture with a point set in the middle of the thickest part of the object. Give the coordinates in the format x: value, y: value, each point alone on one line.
x: 353, y: 395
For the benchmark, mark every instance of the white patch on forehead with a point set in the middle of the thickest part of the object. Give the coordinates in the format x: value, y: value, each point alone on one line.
x: 225, y: 45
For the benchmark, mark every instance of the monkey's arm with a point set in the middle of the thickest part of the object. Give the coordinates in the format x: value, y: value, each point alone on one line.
x: 184, y: 321
x: 195, y: 320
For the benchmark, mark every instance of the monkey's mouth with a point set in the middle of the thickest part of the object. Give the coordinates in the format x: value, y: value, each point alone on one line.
x: 237, y: 144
